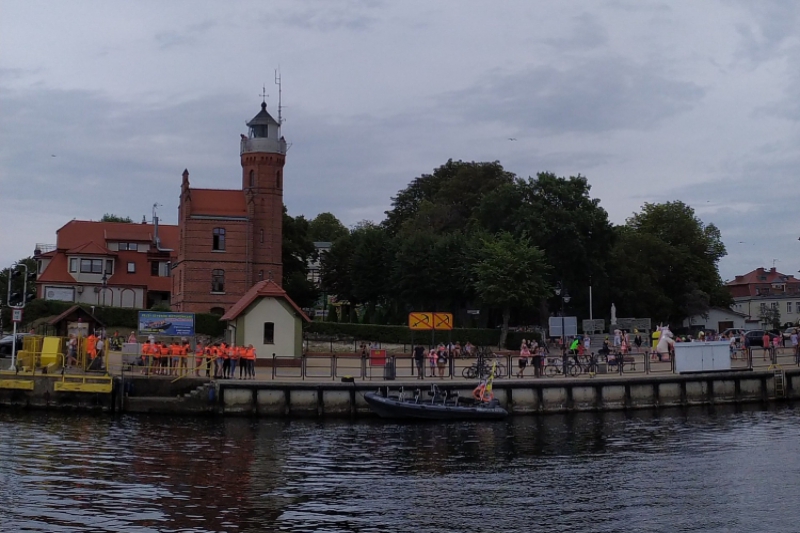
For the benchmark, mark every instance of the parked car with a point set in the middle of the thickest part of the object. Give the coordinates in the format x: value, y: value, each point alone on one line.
x: 5, y: 344
x: 787, y: 333
x: 754, y: 337
x: 735, y: 331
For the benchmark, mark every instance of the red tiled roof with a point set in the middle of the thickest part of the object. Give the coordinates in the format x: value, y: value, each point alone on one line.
x: 218, y: 202
x: 90, y: 248
x: 56, y: 271
x: 266, y: 288
x: 77, y: 232
x: 771, y: 276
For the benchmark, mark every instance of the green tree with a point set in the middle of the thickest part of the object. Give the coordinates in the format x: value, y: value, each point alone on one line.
x: 325, y: 227
x: 18, y: 282
x: 297, y: 251
x: 510, y: 273
x: 108, y: 217
x: 451, y: 193
x: 680, y: 256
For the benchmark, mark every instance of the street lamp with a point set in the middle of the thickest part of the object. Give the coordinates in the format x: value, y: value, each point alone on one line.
x: 562, y: 292
x: 105, y: 286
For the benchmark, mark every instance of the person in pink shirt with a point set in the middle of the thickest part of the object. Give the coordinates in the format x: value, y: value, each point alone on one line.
x: 765, y: 343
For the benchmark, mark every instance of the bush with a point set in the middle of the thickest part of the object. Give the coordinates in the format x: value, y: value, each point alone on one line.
x: 404, y: 335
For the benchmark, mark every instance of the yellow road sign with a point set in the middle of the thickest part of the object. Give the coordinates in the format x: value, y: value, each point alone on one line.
x: 442, y: 321
x: 420, y: 320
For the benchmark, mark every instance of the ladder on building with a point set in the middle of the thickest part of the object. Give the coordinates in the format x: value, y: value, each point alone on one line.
x: 780, y: 381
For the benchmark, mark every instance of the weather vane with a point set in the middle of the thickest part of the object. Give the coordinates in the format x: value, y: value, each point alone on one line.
x: 264, y: 94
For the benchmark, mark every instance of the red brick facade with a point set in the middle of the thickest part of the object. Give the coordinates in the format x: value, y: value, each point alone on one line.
x: 232, y: 239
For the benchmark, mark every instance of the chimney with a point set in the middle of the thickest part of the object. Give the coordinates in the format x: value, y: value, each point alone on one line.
x: 772, y: 270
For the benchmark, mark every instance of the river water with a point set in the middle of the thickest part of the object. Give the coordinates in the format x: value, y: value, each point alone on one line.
x: 700, y: 469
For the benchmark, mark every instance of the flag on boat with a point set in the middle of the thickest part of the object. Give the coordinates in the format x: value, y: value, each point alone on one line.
x: 487, y: 389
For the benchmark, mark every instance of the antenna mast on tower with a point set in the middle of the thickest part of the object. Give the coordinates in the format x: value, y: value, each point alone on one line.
x: 278, y: 83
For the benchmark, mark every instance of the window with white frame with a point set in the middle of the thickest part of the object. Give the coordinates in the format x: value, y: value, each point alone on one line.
x: 73, y: 264
x: 788, y: 307
x: 131, y: 267
x: 91, y: 266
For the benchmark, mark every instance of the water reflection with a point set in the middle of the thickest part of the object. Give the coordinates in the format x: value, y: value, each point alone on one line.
x: 700, y: 469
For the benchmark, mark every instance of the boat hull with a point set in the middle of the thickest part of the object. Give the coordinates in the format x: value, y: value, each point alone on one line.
x: 397, y: 409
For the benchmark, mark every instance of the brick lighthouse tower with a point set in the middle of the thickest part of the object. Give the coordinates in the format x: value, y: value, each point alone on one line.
x: 230, y: 239
x: 263, y: 154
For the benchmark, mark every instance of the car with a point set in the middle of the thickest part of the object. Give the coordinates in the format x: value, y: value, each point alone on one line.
x: 754, y: 336
x: 735, y: 331
x: 5, y: 343
x: 787, y: 333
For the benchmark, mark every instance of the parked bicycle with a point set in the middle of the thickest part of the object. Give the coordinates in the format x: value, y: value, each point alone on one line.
x: 481, y: 369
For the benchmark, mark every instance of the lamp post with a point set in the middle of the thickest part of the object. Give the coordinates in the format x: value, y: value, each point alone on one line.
x: 105, y: 286
x: 562, y: 292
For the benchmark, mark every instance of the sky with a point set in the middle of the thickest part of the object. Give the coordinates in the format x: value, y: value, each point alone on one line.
x: 103, y: 105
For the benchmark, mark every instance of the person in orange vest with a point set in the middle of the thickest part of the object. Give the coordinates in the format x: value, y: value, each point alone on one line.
x: 250, y: 356
x: 208, y: 359
x: 198, y: 357
x: 147, y: 357
x: 186, y: 349
x: 216, y: 356
x: 226, y: 359
x: 91, y: 346
x: 164, y: 352
x: 175, y: 351
x: 234, y: 355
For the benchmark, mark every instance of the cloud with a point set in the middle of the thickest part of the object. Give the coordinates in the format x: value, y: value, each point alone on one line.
x: 590, y: 96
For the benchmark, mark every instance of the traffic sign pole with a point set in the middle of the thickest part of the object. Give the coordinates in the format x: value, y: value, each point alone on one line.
x: 16, y: 314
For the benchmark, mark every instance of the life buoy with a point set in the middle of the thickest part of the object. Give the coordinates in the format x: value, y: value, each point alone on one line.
x: 480, y: 394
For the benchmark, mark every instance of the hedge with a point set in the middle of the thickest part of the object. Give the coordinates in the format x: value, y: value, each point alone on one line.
x: 112, y: 317
x: 403, y: 335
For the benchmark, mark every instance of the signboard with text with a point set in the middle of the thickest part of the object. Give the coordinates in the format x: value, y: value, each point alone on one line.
x: 16, y: 315
x: 163, y: 323
x: 570, y: 324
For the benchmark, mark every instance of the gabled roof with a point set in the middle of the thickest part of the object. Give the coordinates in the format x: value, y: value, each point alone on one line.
x: 90, y: 248
x: 69, y: 311
x: 266, y: 288
x: 217, y: 202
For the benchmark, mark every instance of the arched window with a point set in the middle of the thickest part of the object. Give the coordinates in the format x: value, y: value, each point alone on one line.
x: 252, y: 178
x: 217, y: 280
x: 218, y: 242
x: 278, y: 179
x: 217, y: 311
x: 262, y: 236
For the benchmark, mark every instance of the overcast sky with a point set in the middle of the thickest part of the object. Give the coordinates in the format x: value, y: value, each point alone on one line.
x: 103, y: 104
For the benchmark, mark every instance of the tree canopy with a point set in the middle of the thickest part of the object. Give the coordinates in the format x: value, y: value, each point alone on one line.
x: 473, y: 235
x: 108, y: 217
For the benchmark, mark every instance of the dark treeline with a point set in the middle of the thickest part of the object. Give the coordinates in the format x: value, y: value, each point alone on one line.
x: 473, y: 236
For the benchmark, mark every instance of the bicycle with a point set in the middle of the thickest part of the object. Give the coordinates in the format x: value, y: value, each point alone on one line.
x: 482, y: 368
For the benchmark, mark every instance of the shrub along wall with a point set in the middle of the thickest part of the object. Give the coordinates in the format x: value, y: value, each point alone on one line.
x: 112, y: 317
x: 403, y: 335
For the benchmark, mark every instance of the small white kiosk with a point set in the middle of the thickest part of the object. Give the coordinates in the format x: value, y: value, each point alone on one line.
x: 702, y: 356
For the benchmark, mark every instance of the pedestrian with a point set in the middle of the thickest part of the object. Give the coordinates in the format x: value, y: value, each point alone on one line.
x: 537, y: 362
x: 441, y: 360
x: 765, y: 344
x: 524, y: 354
x: 419, y: 360
x: 432, y: 360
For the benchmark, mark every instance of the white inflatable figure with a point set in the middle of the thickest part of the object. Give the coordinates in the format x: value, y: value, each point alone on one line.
x: 613, y: 314
x: 665, y: 342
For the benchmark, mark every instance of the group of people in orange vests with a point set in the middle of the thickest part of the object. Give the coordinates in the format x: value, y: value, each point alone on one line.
x: 171, y: 359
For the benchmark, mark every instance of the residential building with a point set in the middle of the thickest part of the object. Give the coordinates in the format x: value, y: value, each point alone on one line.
x: 108, y: 263
x: 760, y: 290
x: 719, y: 319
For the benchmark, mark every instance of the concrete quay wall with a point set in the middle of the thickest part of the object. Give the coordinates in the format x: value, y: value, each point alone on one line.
x: 555, y: 395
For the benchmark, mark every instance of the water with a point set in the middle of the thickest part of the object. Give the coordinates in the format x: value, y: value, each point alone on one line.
x: 710, y: 470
